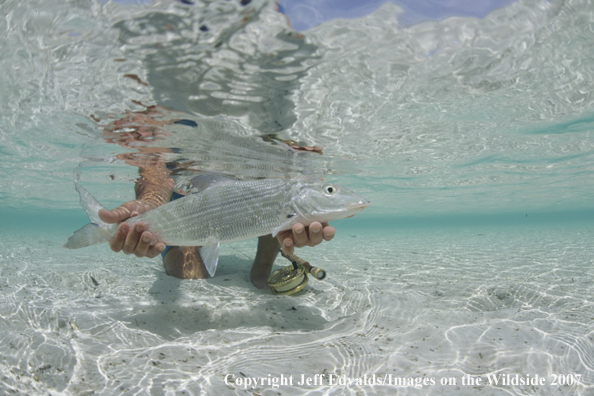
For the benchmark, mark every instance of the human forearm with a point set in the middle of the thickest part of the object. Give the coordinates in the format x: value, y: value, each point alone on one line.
x: 154, y: 185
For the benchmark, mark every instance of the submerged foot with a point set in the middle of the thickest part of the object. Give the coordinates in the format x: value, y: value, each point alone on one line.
x: 261, y: 282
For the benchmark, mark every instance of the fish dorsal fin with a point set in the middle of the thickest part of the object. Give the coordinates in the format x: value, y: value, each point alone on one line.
x: 210, y: 256
x: 206, y: 180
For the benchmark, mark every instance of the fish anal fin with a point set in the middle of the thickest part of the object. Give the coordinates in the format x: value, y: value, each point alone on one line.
x: 210, y: 256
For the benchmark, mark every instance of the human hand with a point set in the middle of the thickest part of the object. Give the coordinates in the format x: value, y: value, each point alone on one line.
x: 132, y: 239
x: 300, y: 236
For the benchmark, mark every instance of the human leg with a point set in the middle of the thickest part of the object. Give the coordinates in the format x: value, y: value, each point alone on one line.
x: 184, y: 262
x: 268, y: 248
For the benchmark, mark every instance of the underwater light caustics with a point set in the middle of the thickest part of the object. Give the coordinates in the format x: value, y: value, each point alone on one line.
x: 227, y: 210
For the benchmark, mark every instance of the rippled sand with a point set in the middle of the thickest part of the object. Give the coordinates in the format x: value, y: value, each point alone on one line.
x: 419, y: 304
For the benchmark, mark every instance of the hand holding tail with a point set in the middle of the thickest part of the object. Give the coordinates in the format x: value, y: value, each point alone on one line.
x: 132, y: 240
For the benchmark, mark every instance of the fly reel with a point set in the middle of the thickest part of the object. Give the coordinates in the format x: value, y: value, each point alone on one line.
x: 293, y: 278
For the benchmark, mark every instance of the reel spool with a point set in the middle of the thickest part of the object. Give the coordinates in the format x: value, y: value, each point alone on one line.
x: 293, y: 278
x: 288, y: 280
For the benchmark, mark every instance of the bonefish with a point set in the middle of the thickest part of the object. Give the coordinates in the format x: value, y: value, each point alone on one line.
x: 226, y: 210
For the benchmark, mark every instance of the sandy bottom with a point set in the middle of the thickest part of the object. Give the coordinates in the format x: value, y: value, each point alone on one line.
x: 419, y: 312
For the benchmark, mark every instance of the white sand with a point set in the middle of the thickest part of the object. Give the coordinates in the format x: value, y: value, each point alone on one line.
x: 430, y: 305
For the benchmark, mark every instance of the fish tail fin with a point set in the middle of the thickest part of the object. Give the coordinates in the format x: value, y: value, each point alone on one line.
x: 93, y: 233
x: 90, y: 234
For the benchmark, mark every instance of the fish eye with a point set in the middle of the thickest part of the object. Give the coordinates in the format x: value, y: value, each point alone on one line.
x: 330, y: 189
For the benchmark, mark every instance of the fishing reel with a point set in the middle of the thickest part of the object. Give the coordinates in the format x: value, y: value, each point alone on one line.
x: 293, y: 278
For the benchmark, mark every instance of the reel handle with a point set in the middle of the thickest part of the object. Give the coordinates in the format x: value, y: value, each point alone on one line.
x: 316, y: 272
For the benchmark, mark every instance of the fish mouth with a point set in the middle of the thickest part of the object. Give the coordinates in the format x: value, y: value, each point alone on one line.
x: 360, y: 205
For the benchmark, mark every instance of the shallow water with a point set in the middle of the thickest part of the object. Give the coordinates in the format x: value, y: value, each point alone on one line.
x: 421, y: 302
x: 472, y: 137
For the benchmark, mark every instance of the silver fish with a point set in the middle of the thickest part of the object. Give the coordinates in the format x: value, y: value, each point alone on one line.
x: 227, y: 210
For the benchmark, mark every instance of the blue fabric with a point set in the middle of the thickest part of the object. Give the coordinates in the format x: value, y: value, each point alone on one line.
x: 189, y: 123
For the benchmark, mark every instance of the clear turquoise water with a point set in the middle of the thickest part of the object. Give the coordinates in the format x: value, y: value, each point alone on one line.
x: 473, y: 140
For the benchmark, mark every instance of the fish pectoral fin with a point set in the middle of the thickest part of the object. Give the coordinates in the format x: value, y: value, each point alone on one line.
x: 210, y: 256
x: 285, y: 226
